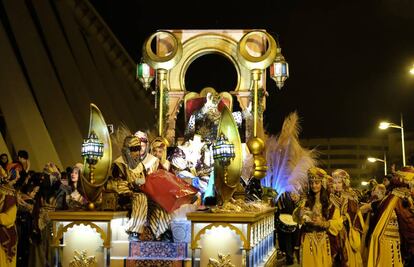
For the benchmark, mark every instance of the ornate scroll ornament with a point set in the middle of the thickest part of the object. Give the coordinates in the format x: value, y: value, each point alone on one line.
x: 222, y: 261
x: 82, y: 260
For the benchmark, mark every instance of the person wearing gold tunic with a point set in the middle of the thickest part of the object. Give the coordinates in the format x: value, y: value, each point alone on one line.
x: 8, y: 211
x: 349, y: 238
x: 392, y: 239
x: 128, y: 174
x: 321, y: 222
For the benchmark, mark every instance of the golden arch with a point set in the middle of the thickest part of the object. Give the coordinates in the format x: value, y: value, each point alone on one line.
x: 196, y: 239
x: 196, y: 43
x: 63, y: 230
x: 204, y: 44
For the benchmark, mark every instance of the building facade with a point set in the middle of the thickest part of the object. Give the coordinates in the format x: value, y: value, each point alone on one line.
x: 351, y: 154
x: 57, y: 57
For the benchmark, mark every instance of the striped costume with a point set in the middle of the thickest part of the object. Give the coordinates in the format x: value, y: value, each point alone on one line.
x: 145, y: 212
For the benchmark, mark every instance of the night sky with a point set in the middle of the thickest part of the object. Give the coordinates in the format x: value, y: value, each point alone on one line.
x: 349, y: 60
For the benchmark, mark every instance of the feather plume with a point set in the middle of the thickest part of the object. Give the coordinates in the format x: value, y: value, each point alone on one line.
x: 117, y: 139
x: 288, y: 161
x: 152, y: 134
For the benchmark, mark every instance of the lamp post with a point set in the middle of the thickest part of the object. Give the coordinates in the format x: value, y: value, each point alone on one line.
x: 371, y: 159
x: 386, y: 125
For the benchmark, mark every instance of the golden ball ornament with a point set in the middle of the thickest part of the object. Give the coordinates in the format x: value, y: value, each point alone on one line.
x: 260, y: 167
x: 255, y: 145
x: 91, y: 206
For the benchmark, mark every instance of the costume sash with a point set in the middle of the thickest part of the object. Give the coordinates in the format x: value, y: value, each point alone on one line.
x: 378, y: 232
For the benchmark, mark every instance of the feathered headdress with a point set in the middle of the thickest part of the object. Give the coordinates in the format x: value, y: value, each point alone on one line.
x: 288, y: 161
x: 51, y: 169
x: 118, y: 138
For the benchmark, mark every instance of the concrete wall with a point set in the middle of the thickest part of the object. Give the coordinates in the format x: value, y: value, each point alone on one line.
x: 57, y: 58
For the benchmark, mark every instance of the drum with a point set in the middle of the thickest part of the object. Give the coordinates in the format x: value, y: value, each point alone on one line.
x: 285, y: 223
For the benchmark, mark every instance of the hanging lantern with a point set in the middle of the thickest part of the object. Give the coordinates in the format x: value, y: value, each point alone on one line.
x: 279, y: 70
x: 145, y: 74
x: 223, y: 150
x: 92, y: 151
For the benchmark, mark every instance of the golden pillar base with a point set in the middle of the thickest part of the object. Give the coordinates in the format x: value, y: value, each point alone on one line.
x: 104, y: 223
x: 253, y: 229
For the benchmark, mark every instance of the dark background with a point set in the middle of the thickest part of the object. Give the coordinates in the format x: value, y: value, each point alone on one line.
x: 349, y: 60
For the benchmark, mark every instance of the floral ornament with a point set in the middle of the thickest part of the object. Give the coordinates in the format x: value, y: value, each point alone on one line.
x: 82, y: 260
x: 223, y: 261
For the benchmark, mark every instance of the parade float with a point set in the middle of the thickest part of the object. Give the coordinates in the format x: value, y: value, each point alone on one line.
x: 230, y: 232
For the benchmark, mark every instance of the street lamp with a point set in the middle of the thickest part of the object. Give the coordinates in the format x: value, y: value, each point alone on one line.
x: 386, y: 125
x: 371, y: 159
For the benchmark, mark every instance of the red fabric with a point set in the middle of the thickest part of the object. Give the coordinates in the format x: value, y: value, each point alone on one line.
x: 15, y: 165
x: 169, y: 191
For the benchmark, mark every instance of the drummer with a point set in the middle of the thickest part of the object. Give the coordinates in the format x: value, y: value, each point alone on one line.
x: 288, y: 233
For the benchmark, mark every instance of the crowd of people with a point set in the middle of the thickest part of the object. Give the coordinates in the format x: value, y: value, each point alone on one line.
x: 337, y: 225
x: 332, y: 224
x: 26, y: 197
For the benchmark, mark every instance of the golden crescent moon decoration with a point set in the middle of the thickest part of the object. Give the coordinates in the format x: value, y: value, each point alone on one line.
x: 98, y: 125
x: 228, y: 127
x: 260, y: 62
x: 162, y: 62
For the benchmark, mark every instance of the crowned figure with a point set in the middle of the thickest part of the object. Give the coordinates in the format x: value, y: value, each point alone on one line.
x: 205, y: 121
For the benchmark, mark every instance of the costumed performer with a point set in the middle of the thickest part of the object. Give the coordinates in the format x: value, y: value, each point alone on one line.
x: 129, y: 172
x: 159, y: 150
x: 321, y: 222
x: 392, y: 239
x: 349, y: 238
x: 8, y: 211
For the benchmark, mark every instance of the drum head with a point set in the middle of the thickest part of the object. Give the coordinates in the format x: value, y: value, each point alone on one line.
x: 287, y: 219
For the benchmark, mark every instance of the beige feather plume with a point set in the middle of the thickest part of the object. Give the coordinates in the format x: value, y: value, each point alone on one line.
x: 117, y: 139
x: 288, y: 161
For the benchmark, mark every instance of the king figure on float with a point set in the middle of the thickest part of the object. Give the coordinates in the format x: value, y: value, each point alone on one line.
x: 194, y: 159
